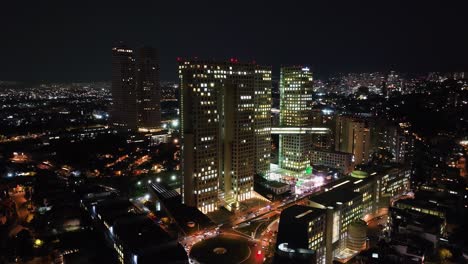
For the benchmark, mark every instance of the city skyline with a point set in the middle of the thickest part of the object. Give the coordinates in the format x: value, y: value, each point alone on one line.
x: 409, y: 37
x: 234, y: 132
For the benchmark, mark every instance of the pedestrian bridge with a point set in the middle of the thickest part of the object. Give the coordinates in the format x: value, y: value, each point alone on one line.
x: 300, y: 130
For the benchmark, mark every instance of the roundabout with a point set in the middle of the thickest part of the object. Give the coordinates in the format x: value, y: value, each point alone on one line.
x: 224, y: 248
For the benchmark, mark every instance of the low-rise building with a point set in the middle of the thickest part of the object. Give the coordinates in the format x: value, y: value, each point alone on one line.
x: 335, y: 159
x: 135, y: 238
x: 343, y: 207
x: 302, y: 234
x: 428, y: 227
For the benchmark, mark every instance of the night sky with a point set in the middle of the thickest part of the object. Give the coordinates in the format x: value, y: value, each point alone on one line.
x: 72, y: 40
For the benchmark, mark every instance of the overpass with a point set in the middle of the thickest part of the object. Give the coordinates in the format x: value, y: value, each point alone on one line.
x: 299, y: 130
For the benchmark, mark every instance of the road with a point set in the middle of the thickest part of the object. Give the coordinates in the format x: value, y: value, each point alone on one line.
x: 276, y: 206
x: 259, y: 224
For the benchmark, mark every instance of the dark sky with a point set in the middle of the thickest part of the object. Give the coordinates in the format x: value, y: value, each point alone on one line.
x: 72, y: 40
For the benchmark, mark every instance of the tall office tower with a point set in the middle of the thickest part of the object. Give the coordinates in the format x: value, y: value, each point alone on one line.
x: 200, y: 134
x: 262, y: 120
x: 295, y: 105
x: 124, y: 112
x: 352, y: 135
x: 148, y: 88
x: 219, y: 127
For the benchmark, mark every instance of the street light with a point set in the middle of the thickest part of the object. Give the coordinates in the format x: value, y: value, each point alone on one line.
x: 38, y: 243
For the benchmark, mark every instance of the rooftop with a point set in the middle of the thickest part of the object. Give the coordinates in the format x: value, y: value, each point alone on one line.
x: 420, y: 203
x: 111, y: 210
x: 139, y: 232
x: 301, y: 213
x: 335, y: 196
x: 429, y: 223
x: 146, y: 239
x: 182, y: 213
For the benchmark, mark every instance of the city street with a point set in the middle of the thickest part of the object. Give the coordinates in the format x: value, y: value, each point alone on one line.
x: 257, y: 224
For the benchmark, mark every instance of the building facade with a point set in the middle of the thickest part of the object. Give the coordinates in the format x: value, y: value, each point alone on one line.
x: 136, y: 93
x: 262, y: 120
x: 302, y: 228
x: 225, y: 127
x: 342, y: 207
x: 361, y: 196
x: 394, y: 139
x: 124, y: 109
x: 334, y: 159
x: 296, y: 89
x: 148, y: 88
x: 353, y: 135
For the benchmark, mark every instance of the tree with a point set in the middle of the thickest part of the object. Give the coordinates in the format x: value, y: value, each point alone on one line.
x: 445, y: 255
x: 382, y: 156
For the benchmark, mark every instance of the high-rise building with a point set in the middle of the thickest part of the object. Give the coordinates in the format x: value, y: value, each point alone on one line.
x: 392, y: 138
x: 352, y: 135
x: 225, y: 127
x: 262, y: 120
x: 148, y: 88
x: 136, y: 92
x: 295, y: 106
x: 124, y: 110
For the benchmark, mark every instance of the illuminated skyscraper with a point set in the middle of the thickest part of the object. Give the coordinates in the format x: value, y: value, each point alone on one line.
x: 219, y: 105
x: 295, y: 106
x: 124, y: 110
x: 148, y: 88
x: 262, y: 120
